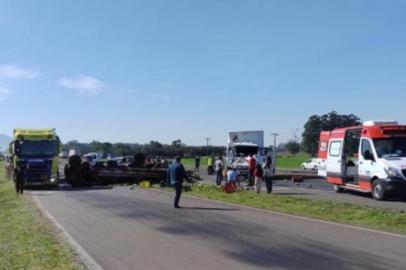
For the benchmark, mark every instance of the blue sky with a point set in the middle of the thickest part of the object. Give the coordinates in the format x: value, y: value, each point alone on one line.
x: 135, y: 71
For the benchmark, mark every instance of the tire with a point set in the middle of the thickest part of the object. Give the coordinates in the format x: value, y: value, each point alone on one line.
x: 338, y: 189
x: 304, y: 168
x: 378, y: 192
x: 315, y: 168
x: 75, y: 161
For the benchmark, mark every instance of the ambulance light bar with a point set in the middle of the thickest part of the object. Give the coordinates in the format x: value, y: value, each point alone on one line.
x: 380, y: 123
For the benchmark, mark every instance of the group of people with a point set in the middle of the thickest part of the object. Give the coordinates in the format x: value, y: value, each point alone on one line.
x: 258, y: 173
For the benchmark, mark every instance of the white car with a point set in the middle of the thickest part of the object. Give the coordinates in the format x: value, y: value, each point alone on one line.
x: 311, y: 164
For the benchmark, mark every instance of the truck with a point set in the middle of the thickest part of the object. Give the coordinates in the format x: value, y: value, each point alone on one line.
x: 370, y: 158
x: 34, y: 156
x: 241, y: 145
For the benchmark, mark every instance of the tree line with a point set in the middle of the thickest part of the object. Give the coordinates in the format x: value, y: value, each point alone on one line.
x: 309, y: 143
x: 314, y: 125
x: 153, y: 148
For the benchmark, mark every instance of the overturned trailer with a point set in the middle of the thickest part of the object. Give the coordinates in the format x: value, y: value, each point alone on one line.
x: 125, y: 174
x: 81, y: 173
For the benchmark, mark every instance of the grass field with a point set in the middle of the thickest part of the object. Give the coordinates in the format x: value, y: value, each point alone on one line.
x: 291, y: 161
x: 190, y: 162
x: 283, y: 161
x: 26, y: 241
x: 381, y: 219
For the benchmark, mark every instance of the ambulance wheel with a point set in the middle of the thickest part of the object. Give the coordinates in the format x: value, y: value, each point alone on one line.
x: 378, y: 192
x: 338, y: 189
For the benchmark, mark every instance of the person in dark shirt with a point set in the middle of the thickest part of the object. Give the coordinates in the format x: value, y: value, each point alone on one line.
x: 175, y: 175
x: 197, y: 164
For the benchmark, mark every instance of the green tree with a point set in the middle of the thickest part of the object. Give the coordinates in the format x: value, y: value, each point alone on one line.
x: 326, y: 122
x: 293, y: 147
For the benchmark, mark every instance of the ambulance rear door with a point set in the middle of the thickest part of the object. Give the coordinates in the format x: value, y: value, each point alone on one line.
x: 335, y: 158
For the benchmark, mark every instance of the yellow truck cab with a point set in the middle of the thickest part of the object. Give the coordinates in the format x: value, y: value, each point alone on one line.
x: 34, y: 156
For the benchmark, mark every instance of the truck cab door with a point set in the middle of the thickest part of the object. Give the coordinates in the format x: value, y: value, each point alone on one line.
x: 335, y: 161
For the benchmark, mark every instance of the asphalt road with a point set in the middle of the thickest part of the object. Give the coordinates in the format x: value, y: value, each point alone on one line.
x: 138, y: 229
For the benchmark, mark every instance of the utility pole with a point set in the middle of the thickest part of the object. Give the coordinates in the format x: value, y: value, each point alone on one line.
x: 274, y: 139
x: 208, y: 143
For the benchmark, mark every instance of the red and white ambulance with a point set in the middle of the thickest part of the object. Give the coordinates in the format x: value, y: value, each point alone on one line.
x: 369, y: 158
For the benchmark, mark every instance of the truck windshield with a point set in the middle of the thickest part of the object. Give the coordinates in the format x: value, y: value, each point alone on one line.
x: 36, y: 148
x: 243, y: 151
x: 392, y: 147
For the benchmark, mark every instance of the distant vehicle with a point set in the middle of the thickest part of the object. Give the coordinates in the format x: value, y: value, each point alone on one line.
x: 311, y: 164
x: 63, y: 155
x: 370, y: 158
x: 123, y: 160
x: 244, y: 143
x: 34, y: 156
x: 92, y: 158
x: 71, y: 152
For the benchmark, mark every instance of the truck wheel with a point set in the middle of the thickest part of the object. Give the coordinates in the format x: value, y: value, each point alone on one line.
x: 338, y: 189
x: 378, y: 192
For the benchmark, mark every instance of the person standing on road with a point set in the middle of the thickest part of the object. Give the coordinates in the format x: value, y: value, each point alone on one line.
x: 268, y: 174
x: 218, y: 167
x: 252, y: 163
x: 175, y: 175
x: 197, y: 164
x: 210, y: 162
x: 259, y: 176
x: 19, y: 182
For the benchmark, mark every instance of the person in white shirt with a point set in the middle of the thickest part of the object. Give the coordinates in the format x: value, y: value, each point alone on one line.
x: 218, y: 167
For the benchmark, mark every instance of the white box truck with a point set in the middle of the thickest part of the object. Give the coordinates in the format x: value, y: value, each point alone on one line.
x: 244, y: 143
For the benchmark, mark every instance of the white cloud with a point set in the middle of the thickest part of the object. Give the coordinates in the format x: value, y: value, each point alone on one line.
x: 17, y: 73
x: 83, y: 84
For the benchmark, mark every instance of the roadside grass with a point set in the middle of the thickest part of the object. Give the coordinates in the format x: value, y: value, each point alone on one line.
x: 287, y: 161
x: 26, y: 242
x: 352, y: 214
x: 190, y: 162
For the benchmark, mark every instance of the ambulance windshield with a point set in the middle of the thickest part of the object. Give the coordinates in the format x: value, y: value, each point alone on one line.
x: 392, y: 147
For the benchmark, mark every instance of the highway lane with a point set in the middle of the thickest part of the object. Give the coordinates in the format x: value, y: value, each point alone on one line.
x: 138, y: 229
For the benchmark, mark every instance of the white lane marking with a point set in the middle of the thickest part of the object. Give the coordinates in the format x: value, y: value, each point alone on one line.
x: 88, y: 261
x: 293, y: 216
